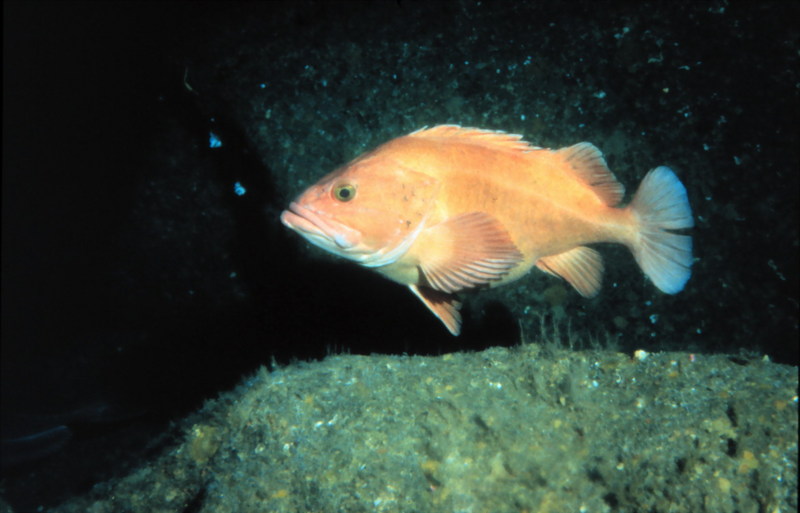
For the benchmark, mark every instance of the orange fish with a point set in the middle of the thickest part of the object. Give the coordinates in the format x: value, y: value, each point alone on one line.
x: 446, y: 209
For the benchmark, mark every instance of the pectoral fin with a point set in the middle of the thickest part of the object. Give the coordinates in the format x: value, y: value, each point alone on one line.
x: 444, y: 306
x: 465, y: 251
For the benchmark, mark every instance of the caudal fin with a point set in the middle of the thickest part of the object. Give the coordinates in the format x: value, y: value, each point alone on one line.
x: 660, y: 205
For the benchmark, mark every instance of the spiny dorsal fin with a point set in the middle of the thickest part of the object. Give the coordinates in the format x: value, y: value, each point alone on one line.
x: 493, y: 138
x: 590, y: 167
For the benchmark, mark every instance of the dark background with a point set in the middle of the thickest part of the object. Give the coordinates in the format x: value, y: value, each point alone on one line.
x: 136, y: 283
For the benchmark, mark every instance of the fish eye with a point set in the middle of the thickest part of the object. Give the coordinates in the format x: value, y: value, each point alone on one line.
x: 344, y: 192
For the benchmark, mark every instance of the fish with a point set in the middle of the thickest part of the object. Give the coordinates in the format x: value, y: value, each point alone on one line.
x: 449, y: 209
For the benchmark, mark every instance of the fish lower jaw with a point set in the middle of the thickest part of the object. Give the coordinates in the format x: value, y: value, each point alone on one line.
x: 324, y: 242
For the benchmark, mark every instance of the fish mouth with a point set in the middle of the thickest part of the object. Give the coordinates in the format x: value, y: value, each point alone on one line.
x: 320, y: 230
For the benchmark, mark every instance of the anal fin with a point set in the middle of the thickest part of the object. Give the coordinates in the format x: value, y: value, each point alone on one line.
x: 582, y: 267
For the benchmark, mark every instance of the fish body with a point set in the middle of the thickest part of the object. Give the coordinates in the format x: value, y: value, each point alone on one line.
x: 447, y: 209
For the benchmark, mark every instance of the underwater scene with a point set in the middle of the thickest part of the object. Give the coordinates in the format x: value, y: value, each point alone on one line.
x: 400, y: 256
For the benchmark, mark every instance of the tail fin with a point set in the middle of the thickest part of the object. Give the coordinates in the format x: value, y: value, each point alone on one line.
x: 659, y: 205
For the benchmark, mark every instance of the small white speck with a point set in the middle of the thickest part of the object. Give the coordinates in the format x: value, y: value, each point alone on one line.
x: 620, y: 35
x: 214, y: 141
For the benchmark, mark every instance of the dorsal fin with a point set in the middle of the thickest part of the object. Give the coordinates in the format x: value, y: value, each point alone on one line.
x: 590, y: 167
x: 492, y: 138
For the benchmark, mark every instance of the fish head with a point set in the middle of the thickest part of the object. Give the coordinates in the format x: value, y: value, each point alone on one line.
x: 370, y: 211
